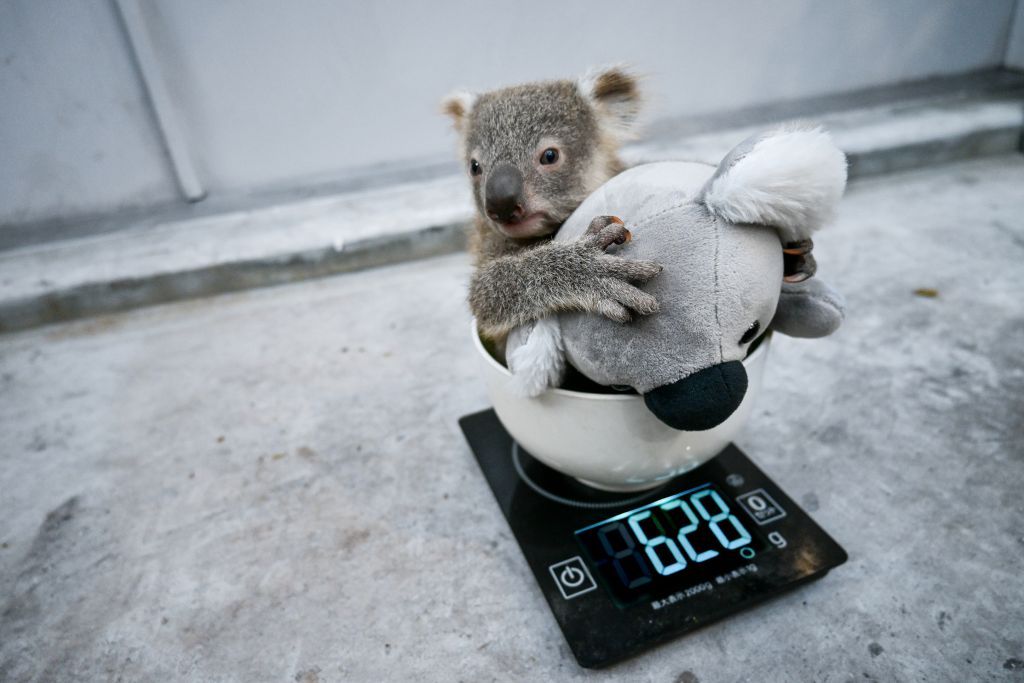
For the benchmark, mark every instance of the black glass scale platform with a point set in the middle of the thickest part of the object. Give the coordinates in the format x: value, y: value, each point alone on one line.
x: 623, y: 572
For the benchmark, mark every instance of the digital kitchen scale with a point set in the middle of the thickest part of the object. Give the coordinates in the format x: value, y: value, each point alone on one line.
x: 625, y: 571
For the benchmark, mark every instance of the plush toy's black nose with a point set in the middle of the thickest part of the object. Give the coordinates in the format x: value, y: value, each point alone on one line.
x: 701, y: 401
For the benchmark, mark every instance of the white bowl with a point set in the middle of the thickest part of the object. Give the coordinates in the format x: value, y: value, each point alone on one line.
x: 610, y: 441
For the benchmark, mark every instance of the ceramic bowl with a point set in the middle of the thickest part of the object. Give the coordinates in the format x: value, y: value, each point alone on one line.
x: 610, y: 441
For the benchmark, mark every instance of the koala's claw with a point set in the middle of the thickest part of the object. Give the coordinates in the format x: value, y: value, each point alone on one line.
x: 612, y: 233
x: 798, y: 248
x: 599, y: 223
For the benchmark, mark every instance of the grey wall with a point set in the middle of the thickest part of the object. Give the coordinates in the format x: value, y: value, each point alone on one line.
x: 76, y: 135
x: 1015, y: 44
x: 276, y: 94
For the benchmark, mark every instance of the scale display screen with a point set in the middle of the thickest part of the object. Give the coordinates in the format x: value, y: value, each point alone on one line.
x: 624, y: 571
x: 683, y: 542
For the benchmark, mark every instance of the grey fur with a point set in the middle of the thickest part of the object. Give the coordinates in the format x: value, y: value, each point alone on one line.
x: 717, y: 283
x: 720, y: 278
x: 735, y: 155
x: 575, y: 275
x: 522, y: 277
x: 809, y: 309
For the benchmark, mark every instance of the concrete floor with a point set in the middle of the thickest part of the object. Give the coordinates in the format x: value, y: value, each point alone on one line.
x: 271, y: 486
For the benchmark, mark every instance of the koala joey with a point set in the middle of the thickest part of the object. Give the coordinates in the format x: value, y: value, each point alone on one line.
x: 533, y: 153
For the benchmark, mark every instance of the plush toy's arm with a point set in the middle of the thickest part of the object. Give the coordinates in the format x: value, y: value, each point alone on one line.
x: 536, y: 357
x: 809, y: 309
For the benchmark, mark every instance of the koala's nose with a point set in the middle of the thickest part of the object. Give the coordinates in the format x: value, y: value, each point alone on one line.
x: 504, y: 194
x: 701, y: 401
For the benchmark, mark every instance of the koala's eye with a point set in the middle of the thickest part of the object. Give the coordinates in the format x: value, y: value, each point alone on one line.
x: 549, y: 156
x: 474, y: 167
x: 751, y: 332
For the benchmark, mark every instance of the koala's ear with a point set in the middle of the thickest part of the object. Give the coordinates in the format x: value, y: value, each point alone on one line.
x: 615, y: 95
x: 790, y: 178
x: 457, y: 105
x: 809, y: 309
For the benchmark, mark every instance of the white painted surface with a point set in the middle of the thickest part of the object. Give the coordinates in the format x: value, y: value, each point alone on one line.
x: 151, y: 73
x: 275, y: 94
x: 76, y: 135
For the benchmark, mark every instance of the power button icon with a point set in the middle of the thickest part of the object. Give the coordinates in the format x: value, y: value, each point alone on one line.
x: 572, y: 577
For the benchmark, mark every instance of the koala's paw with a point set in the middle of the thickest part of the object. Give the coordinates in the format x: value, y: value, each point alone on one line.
x: 798, y: 261
x: 606, y: 284
x: 604, y: 231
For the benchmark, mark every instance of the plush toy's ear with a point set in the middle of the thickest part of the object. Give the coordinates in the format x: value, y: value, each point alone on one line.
x: 615, y: 95
x: 536, y: 357
x: 790, y: 178
x: 809, y: 309
x: 457, y: 105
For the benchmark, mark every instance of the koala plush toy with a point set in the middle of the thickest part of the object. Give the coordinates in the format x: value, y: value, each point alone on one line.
x: 735, y: 246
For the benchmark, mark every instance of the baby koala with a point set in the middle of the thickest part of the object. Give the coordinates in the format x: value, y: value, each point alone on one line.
x: 533, y: 153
